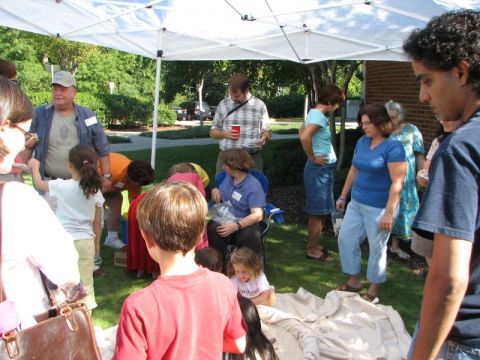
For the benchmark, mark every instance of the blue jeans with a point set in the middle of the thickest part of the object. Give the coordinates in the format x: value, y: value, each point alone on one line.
x: 449, y: 351
x: 360, y: 221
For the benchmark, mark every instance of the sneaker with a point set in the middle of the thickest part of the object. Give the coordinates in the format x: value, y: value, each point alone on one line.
x: 114, y: 243
x: 97, y: 260
x: 95, y: 267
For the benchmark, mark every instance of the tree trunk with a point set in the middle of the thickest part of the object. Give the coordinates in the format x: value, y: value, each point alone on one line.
x: 353, y: 66
x: 200, y: 99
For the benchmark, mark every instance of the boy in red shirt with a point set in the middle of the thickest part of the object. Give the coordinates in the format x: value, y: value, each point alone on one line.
x: 188, y: 312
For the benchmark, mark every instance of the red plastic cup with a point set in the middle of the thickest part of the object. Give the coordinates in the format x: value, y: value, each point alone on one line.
x: 236, y: 129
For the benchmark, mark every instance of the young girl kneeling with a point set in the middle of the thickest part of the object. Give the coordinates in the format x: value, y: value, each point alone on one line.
x: 79, y: 208
x: 246, y: 272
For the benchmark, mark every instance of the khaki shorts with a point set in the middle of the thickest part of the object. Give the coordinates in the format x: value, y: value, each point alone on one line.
x: 422, y: 246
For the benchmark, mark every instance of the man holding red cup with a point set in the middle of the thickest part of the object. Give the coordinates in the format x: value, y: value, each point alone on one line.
x: 241, y: 122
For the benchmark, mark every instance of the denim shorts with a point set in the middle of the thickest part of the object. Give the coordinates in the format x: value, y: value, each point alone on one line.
x: 318, y: 180
x: 449, y: 351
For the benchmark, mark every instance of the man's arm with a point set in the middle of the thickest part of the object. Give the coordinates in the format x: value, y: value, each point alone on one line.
x: 444, y: 290
x: 105, y: 166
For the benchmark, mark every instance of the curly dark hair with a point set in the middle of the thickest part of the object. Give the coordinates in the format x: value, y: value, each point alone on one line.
x: 448, y: 40
x: 141, y: 172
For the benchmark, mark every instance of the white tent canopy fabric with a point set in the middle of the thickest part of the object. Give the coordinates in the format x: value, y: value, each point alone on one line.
x: 303, y: 31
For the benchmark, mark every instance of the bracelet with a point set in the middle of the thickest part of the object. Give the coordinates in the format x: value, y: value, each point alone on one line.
x: 341, y: 198
x: 239, y: 226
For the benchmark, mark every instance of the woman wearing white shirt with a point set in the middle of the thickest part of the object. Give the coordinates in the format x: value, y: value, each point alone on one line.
x: 32, y: 238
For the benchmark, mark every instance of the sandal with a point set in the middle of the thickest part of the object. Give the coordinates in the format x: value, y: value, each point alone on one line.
x: 325, y: 257
x: 348, y: 288
x: 400, y: 253
x: 374, y: 299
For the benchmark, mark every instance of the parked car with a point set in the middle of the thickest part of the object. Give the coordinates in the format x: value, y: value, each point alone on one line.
x: 190, y: 110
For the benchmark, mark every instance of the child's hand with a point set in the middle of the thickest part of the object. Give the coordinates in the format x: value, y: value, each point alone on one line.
x: 34, y: 164
x: 23, y: 167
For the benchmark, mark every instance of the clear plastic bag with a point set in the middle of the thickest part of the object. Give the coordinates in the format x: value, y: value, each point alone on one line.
x: 222, y: 213
x: 337, y: 218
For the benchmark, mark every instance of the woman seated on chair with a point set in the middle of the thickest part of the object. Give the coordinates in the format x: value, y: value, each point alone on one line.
x: 247, y: 197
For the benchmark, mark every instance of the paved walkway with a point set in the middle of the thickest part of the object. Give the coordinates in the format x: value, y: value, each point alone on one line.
x: 140, y: 142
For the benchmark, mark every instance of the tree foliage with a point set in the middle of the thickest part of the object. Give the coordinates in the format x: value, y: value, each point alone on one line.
x: 133, y: 76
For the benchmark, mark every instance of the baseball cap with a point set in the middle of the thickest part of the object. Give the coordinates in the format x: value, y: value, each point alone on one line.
x: 64, y: 78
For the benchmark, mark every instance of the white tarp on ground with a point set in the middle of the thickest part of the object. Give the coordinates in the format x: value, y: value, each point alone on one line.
x: 300, y: 30
x: 303, y: 326
x: 341, y: 326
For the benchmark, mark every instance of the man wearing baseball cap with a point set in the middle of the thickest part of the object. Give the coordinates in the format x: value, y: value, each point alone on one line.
x: 63, y: 124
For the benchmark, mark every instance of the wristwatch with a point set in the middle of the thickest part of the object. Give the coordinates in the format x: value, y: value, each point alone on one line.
x: 107, y: 176
x: 239, y: 226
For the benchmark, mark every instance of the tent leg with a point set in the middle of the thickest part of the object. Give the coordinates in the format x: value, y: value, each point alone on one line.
x: 155, y: 111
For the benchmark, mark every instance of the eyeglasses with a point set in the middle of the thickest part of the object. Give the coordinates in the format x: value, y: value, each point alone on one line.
x: 28, y: 135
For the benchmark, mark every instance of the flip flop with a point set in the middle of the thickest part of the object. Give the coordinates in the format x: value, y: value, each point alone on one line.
x: 371, y: 298
x: 325, y: 257
x: 348, y: 288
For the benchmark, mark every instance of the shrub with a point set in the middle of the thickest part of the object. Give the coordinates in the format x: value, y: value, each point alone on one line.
x: 288, y: 161
x: 126, y: 111
x: 166, y: 116
x: 286, y: 166
x: 40, y: 97
x: 286, y: 106
x: 96, y: 104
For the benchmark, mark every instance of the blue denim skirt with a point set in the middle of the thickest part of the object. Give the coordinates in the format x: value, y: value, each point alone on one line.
x: 318, y: 180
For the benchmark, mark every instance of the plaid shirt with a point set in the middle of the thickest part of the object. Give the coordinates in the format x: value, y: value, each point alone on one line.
x: 252, y: 118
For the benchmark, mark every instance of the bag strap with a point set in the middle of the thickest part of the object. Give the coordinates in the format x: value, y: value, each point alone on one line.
x: 237, y: 107
x: 2, y: 292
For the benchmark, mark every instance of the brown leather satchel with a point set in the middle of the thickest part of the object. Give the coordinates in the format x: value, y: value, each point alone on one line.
x: 62, y: 333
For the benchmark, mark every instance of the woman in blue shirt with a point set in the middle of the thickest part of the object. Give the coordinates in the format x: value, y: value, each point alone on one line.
x: 375, y: 180
x: 248, y: 199
x: 316, y: 141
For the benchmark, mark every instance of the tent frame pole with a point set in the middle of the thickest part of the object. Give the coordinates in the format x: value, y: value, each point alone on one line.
x: 158, y: 73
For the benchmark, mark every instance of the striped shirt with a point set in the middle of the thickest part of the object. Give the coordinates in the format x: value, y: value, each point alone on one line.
x: 252, y: 118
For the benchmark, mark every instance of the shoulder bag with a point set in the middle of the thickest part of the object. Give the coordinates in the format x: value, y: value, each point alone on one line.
x: 62, y: 333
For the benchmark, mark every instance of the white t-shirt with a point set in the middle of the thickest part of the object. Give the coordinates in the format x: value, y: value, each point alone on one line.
x: 74, y: 210
x: 32, y: 239
x: 252, y: 288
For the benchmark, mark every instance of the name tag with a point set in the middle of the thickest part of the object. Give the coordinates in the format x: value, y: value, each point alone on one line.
x: 236, y: 196
x: 119, y: 185
x: 91, y: 121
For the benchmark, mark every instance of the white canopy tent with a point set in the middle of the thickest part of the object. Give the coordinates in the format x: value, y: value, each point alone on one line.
x: 303, y: 31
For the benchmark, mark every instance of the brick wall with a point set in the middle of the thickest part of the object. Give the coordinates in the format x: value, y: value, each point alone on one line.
x: 389, y: 80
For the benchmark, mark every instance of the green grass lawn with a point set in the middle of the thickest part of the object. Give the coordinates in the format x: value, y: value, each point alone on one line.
x: 287, y: 268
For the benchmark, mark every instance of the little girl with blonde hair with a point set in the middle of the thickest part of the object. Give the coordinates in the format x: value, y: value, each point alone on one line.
x: 246, y: 272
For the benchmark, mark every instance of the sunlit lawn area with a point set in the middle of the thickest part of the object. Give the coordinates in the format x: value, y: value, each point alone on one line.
x: 287, y: 267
